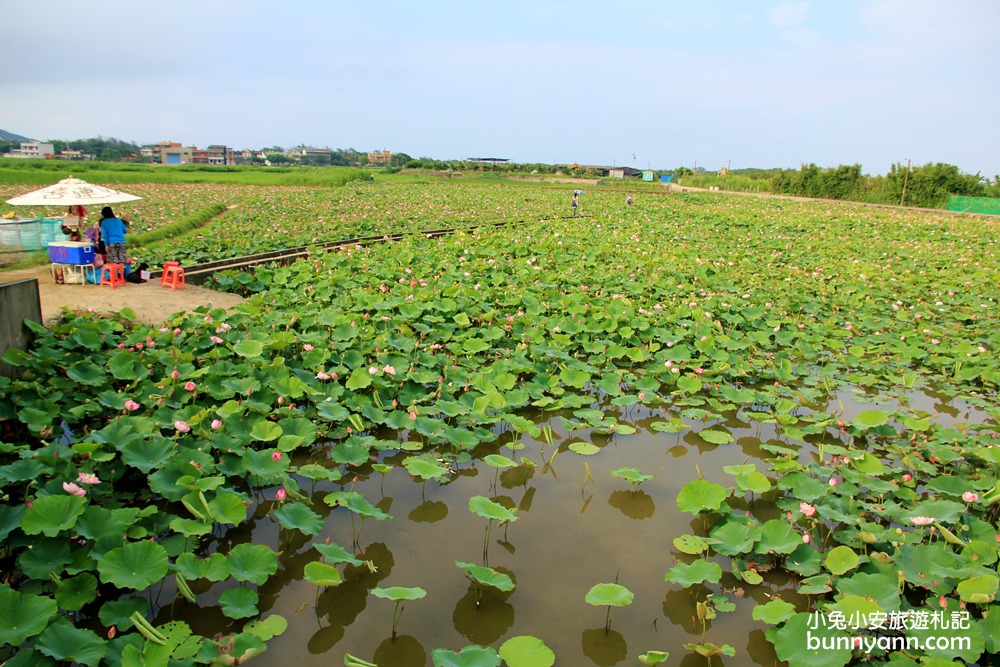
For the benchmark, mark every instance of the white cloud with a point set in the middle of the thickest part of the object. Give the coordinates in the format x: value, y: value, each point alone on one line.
x: 789, y: 14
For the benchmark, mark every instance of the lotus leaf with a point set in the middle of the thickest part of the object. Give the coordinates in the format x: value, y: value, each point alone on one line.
x: 715, y: 437
x: 23, y: 615
x: 840, y: 559
x: 355, y: 502
x: 690, y: 544
x: 470, y: 656
x: 51, y: 515
x: 62, y: 641
x: 489, y: 509
x: 526, y: 651
x: 487, y: 576
x: 778, y: 537
x: 334, y: 553
x: 828, y: 650
x: 869, y: 419
x: 700, y: 495
x: 296, y: 516
x: 424, y: 467
x: 398, y: 593
x: 699, y: 571
x: 252, y: 562
x: 212, y: 568
x: 653, y: 657
x: 322, y: 574
x: 136, y: 565
x: 48, y: 555
x: 239, y: 602
x: 249, y: 349
x: 980, y: 589
x: 74, y: 592
x: 615, y: 595
x: 732, y: 538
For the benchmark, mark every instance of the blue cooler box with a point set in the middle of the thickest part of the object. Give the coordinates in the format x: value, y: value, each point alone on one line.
x: 71, y: 252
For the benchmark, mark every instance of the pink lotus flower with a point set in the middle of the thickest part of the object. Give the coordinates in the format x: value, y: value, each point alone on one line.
x: 806, y: 539
x: 182, y: 426
x: 373, y: 370
x: 277, y: 456
x: 71, y: 488
x: 189, y: 386
x: 834, y: 481
x: 216, y: 424
x: 970, y: 496
x: 413, y: 414
x: 215, y: 339
x: 280, y: 495
x: 88, y: 478
x: 307, y: 347
x: 174, y: 374
x: 131, y: 405
x: 921, y: 520
x: 389, y: 370
x: 322, y: 376
x: 807, y: 509
x: 907, y: 477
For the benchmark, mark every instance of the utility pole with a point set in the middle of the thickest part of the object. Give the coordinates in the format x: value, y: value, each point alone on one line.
x: 906, y: 180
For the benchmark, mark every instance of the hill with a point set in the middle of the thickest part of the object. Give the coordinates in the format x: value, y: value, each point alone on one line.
x: 10, y: 136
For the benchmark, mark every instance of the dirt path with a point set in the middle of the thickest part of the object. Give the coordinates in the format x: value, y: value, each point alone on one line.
x: 152, y: 303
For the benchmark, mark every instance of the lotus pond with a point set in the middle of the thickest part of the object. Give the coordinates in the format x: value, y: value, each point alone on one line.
x: 702, y: 426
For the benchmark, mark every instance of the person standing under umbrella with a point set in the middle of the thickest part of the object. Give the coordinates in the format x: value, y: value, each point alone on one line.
x: 113, y: 231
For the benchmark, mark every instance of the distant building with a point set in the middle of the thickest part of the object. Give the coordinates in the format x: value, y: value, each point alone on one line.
x: 75, y: 156
x: 621, y: 172
x: 33, y: 149
x: 215, y: 155
x: 383, y: 159
x: 174, y: 153
x: 488, y: 160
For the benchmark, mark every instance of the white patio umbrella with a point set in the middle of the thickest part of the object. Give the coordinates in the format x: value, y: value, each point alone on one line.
x: 72, y: 192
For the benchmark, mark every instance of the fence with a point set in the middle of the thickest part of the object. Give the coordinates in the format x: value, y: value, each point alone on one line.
x: 26, y: 235
x: 987, y: 205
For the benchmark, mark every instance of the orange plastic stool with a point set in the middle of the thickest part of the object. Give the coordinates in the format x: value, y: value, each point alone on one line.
x: 167, y: 265
x: 173, y: 276
x: 113, y: 275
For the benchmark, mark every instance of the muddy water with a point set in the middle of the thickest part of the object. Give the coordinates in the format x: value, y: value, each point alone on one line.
x: 574, y: 530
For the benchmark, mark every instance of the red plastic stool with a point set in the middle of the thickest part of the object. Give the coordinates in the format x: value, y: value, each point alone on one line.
x: 173, y: 276
x: 167, y: 265
x: 113, y: 275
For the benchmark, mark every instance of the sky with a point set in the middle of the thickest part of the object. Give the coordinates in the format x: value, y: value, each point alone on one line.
x: 737, y: 83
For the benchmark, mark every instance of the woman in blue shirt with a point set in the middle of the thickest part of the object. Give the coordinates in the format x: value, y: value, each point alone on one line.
x: 113, y: 231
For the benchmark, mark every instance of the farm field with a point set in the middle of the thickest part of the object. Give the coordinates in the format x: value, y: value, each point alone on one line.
x: 701, y: 425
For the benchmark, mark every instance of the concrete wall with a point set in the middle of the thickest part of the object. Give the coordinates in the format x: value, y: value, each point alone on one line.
x: 19, y: 301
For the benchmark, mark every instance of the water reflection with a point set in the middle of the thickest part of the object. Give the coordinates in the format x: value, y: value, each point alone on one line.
x: 483, y: 616
x: 429, y: 511
x: 548, y: 554
x: 679, y: 607
x: 401, y: 651
x: 638, y: 505
x: 341, y: 605
x: 519, y: 476
x: 760, y: 650
x: 604, y: 648
x: 697, y: 660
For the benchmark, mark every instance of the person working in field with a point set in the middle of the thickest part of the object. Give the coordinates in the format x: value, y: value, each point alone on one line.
x: 575, y: 203
x: 113, y: 230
